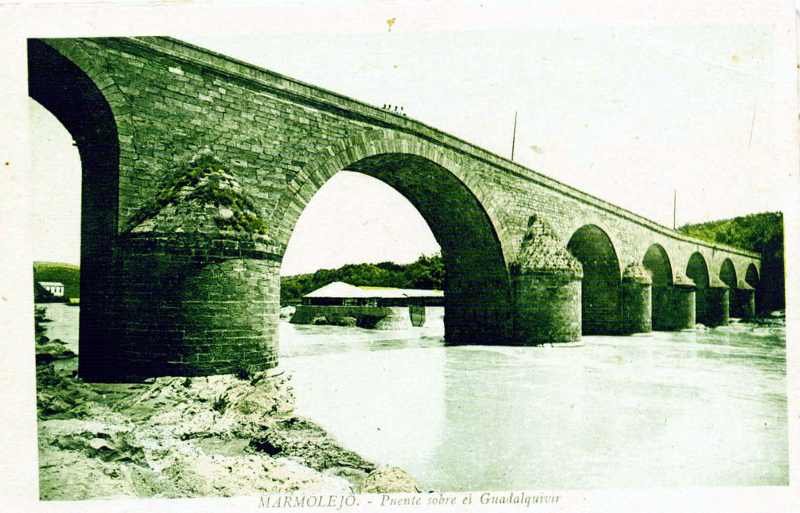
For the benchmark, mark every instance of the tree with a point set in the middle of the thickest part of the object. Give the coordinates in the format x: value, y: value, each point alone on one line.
x: 427, y: 272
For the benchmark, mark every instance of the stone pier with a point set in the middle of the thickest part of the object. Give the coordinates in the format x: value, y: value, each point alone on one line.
x: 717, y: 305
x: 637, y: 316
x: 547, y: 289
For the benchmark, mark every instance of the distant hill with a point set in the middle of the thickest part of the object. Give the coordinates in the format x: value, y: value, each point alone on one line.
x: 426, y: 273
x: 762, y: 233
x: 68, y: 274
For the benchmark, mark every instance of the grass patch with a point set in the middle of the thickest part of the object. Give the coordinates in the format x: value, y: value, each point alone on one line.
x: 205, y: 175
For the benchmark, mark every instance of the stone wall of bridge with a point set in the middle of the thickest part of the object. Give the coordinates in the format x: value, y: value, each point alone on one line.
x: 156, y: 104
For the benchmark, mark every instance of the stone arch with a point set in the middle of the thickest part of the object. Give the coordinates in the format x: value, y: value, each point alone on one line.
x: 754, y: 280
x: 600, y: 288
x: 343, y: 154
x: 697, y: 270
x: 75, y: 99
x: 751, y: 276
x: 657, y: 262
x: 727, y: 273
x: 461, y: 216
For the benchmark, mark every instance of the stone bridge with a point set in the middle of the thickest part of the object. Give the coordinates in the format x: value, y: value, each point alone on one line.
x: 196, y: 168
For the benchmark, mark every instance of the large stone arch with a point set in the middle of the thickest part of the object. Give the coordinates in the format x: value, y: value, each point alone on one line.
x: 600, y: 288
x: 76, y: 100
x: 657, y: 261
x: 461, y: 215
x: 341, y: 155
x: 697, y: 270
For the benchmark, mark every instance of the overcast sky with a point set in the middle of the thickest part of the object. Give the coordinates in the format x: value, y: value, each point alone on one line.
x: 626, y: 112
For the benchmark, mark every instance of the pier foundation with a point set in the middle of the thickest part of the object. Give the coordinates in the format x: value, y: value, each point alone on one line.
x: 717, y: 309
x: 547, y: 309
x: 546, y: 281
x: 682, y: 315
x: 636, y: 300
x: 196, y: 307
x: 674, y: 306
x: 744, y: 301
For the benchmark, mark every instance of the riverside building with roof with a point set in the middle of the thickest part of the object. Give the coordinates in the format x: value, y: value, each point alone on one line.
x: 54, y: 287
x: 386, y: 308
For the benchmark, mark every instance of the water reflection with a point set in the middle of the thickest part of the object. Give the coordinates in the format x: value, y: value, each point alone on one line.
x: 663, y: 409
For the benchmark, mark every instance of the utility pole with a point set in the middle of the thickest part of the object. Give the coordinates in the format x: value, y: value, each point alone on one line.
x: 514, y: 136
x: 674, y: 206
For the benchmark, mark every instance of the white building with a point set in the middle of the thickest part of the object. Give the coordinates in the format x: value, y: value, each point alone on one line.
x: 54, y: 287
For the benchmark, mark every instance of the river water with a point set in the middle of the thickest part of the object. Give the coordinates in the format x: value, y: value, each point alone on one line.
x: 703, y: 408
x: 663, y: 409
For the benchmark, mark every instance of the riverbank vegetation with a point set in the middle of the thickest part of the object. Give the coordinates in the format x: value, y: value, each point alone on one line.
x: 426, y: 273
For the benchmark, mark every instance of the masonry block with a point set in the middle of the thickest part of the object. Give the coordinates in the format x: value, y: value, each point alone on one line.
x: 184, y: 311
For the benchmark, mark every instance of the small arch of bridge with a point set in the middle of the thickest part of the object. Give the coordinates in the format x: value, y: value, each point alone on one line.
x: 727, y: 274
x: 697, y: 271
x: 657, y: 261
x: 751, y: 276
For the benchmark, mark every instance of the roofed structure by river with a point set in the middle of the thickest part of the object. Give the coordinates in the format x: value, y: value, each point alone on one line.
x: 344, y: 294
x: 340, y: 303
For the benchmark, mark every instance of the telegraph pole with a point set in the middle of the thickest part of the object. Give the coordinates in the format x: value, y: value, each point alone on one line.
x: 674, y: 206
x: 514, y: 136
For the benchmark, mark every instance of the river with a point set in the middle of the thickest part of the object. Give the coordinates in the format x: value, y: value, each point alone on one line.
x: 705, y: 408
x: 663, y: 409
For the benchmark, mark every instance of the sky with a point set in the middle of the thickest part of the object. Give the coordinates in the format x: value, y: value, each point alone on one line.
x: 629, y: 112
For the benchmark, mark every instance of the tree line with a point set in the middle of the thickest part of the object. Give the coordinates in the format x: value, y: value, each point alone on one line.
x: 426, y: 273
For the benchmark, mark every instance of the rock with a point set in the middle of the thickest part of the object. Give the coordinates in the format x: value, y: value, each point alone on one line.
x: 165, y: 439
x: 350, y: 322
x: 389, y: 480
x: 300, y: 439
x: 99, y: 444
x: 52, y: 404
x: 320, y: 320
x: 52, y: 350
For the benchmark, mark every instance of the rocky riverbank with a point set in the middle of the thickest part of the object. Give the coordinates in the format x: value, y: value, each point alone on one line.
x: 189, y: 437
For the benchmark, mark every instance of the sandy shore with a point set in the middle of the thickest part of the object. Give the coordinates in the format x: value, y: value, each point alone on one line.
x: 176, y: 437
